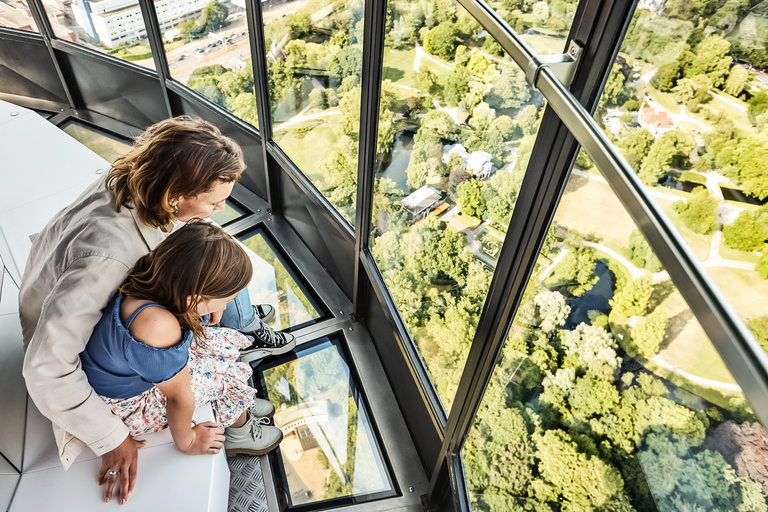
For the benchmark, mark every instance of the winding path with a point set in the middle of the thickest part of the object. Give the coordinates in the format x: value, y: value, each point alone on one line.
x: 727, y: 386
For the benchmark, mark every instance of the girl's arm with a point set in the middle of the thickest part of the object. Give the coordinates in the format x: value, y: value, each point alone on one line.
x: 205, y: 438
x: 159, y: 328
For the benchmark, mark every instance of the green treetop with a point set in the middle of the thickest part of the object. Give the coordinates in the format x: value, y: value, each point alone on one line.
x: 700, y: 212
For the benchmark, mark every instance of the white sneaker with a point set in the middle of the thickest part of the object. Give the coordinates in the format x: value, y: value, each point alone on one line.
x: 255, y: 437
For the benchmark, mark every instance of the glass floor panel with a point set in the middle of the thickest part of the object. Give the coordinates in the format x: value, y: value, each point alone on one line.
x: 329, y: 450
x: 104, y: 144
x: 274, y: 283
x: 232, y: 211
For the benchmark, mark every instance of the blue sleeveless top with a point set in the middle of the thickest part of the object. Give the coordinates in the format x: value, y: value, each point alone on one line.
x: 119, y: 366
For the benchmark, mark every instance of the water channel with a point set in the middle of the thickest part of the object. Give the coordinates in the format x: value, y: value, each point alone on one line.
x: 594, y: 299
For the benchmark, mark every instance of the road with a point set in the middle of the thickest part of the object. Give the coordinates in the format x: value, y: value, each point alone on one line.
x: 183, y: 60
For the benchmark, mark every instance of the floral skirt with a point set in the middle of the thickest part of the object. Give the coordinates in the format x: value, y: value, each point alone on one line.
x: 216, y: 377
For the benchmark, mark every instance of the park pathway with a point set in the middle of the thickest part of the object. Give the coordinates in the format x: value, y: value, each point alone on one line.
x: 726, y: 386
x: 421, y: 54
x: 551, y: 267
x: 300, y: 118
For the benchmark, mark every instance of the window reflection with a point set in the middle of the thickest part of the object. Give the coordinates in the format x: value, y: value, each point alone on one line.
x: 104, y: 144
x: 16, y: 14
x: 608, y: 394
x: 456, y: 132
x: 329, y: 450
x: 315, y: 53
x: 274, y: 283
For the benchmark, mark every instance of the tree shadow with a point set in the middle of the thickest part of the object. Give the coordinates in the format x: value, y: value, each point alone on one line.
x: 675, y: 326
x: 575, y: 182
x: 660, y: 293
x: 393, y: 74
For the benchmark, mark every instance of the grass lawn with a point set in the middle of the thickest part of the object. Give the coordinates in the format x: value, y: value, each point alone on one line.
x: 398, y: 66
x: 738, y: 116
x: 699, y: 244
x: 686, y: 345
x: 467, y: 221
x: 665, y: 99
x: 734, y: 254
x: 309, y: 149
x: 745, y: 290
x: 591, y: 208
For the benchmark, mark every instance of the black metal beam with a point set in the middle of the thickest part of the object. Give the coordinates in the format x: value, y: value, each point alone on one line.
x: 255, y: 20
x: 152, y: 26
x: 599, y: 25
x: 46, y: 31
x: 373, y: 56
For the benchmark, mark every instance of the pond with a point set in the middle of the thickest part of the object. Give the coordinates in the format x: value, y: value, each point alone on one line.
x: 733, y: 194
x: 393, y: 165
x: 596, y: 298
x: 675, y: 184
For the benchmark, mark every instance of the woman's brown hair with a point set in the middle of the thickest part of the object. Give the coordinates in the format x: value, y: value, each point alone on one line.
x: 198, y: 260
x: 178, y: 157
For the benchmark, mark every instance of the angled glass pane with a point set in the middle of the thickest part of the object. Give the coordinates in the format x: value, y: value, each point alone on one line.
x: 315, y: 58
x: 209, y: 52
x: 114, y: 27
x: 104, y: 144
x: 608, y: 395
x: 544, y: 25
x: 17, y: 15
x: 274, y: 283
x: 456, y: 131
x: 329, y: 450
x: 686, y: 105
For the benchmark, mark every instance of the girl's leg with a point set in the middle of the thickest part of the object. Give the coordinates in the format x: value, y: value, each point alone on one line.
x: 217, y: 377
x: 239, y: 312
x: 142, y: 414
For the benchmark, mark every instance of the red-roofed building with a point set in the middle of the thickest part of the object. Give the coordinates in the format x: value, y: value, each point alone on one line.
x: 657, y: 121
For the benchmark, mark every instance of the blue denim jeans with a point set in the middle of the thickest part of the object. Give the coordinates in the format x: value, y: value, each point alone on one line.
x: 239, y: 312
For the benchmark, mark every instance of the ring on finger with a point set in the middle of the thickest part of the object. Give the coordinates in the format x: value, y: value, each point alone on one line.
x: 112, y: 473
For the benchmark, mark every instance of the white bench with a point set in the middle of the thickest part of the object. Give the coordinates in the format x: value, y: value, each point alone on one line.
x: 42, y: 169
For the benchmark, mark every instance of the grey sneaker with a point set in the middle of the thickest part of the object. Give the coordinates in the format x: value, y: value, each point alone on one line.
x: 265, y: 312
x: 266, y: 342
x: 262, y: 408
x: 256, y: 437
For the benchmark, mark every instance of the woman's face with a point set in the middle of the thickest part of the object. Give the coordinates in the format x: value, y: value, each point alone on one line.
x: 203, y: 205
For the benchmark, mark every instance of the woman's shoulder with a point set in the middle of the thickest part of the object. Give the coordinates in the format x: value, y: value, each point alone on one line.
x: 154, y: 326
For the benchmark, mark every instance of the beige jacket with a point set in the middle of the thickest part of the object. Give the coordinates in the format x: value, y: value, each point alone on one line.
x: 75, y: 266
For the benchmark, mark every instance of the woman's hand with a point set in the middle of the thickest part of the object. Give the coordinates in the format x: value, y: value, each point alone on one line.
x: 207, y: 439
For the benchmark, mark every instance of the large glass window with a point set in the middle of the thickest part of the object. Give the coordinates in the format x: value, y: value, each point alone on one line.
x: 16, y: 14
x: 456, y: 130
x: 274, y: 283
x: 686, y: 105
x: 209, y: 52
x: 114, y: 27
x: 608, y: 395
x: 315, y: 55
x: 329, y: 449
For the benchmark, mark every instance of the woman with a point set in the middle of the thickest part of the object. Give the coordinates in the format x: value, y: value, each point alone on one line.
x: 179, y: 169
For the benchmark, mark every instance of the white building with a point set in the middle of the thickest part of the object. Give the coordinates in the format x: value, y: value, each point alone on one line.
x: 113, y: 22
x: 479, y: 163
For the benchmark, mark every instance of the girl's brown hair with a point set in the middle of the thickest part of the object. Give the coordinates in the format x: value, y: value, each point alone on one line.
x: 198, y: 260
x: 178, y: 157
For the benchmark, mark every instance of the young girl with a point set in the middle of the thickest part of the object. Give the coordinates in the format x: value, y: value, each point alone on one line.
x: 152, y: 360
